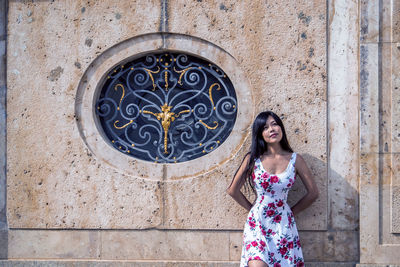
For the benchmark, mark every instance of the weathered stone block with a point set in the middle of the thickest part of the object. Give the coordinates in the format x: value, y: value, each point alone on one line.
x: 369, y: 96
x: 165, y: 245
x: 395, y: 16
x: 369, y: 28
x: 202, y: 203
x: 235, y: 245
x: 47, y: 244
x: 395, y: 191
x: 394, y: 91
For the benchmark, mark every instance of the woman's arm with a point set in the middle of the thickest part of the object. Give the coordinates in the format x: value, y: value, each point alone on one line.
x: 308, y: 181
x: 237, y: 183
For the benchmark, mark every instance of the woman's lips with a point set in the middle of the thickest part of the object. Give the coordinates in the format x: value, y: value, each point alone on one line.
x: 273, y: 135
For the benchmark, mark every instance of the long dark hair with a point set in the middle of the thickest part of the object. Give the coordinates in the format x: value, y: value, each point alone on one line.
x: 259, y: 146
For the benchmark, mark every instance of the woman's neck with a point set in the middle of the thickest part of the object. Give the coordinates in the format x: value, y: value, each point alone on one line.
x: 274, y: 149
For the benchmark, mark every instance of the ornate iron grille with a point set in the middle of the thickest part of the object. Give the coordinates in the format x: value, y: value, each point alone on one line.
x: 167, y: 107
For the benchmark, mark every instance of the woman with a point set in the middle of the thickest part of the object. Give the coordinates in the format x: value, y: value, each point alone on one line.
x: 270, y: 235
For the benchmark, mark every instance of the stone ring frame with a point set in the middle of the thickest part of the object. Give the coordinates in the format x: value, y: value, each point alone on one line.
x: 90, y: 85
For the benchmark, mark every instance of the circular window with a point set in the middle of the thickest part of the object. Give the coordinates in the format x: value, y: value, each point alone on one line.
x: 166, y: 107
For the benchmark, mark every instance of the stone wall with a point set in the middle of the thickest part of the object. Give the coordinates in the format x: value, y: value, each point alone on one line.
x: 379, y: 132
x: 70, y: 196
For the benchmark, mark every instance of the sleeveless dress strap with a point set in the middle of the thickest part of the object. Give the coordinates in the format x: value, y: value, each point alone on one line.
x: 293, y: 159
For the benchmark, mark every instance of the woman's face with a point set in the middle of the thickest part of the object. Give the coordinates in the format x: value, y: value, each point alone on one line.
x: 272, y: 132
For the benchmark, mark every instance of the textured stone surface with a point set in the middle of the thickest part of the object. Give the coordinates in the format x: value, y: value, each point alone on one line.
x: 168, y: 245
x: 235, y: 245
x: 275, y: 29
x: 395, y: 16
x: 119, y: 245
x: 42, y: 244
x: 3, y: 114
x: 343, y: 114
x: 157, y: 264
x: 379, y: 196
x: 187, y: 206
x: 165, y: 245
x: 369, y: 24
x: 395, y: 194
x: 393, y: 89
x: 73, y: 263
x: 69, y: 163
x: 53, y: 179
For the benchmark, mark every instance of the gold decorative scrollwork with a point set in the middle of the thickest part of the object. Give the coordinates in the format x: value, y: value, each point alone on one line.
x: 123, y: 126
x: 172, y: 100
x: 210, y: 89
x: 166, y: 117
x: 183, y: 111
x: 123, y: 93
x: 151, y: 72
x: 166, y: 80
x: 182, y: 72
x: 209, y: 127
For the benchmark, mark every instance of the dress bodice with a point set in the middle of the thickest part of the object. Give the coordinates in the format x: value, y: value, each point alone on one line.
x: 273, y: 186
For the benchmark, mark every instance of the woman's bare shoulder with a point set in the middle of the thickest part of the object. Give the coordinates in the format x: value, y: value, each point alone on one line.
x: 300, y: 162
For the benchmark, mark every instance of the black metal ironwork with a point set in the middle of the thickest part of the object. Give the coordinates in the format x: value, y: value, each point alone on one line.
x: 167, y: 107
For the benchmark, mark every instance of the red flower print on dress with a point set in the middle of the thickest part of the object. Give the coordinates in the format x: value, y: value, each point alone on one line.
x: 263, y: 232
x: 265, y: 185
x: 265, y: 175
x: 277, y: 264
x: 290, y: 245
x: 248, y: 246
x: 300, y: 264
x: 270, y: 213
x: 280, y: 203
x: 262, y: 243
x: 283, y: 250
x: 277, y: 218
x: 254, y: 243
x: 284, y: 241
x: 252, y: 224
x: 274, y: 179
x: 271, y: 205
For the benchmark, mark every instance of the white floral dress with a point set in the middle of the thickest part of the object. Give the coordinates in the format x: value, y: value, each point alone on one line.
x: 270, y: 233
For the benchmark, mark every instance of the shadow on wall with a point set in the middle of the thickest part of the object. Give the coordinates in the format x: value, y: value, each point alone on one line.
x: 3, y: 244
x: 338, y: 201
